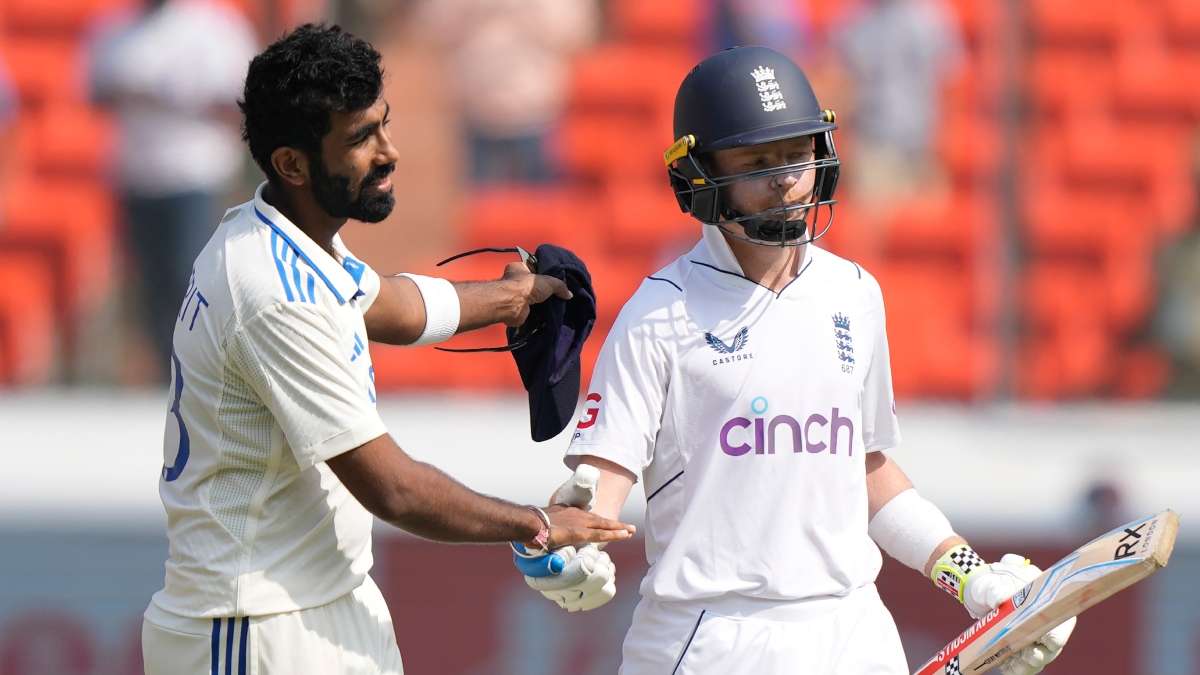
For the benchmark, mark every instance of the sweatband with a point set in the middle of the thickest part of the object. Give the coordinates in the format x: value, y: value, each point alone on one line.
x: 910, y: 528
x: 442, y: 309
x: 951, y: 571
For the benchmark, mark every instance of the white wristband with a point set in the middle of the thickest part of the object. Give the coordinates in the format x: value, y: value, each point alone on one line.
x: 442, y: 309
x: 909, y: 528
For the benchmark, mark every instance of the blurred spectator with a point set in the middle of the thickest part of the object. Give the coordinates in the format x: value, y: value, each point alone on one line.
x: 171, y: 74
x: 1103, y: 507
x: 897, y: 54
x: 508, y: 69
x: 783, y: 26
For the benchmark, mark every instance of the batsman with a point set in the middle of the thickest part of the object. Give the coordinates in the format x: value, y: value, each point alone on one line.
x: 748, y: 385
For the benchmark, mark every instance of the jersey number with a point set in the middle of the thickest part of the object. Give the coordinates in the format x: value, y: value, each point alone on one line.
x: 172, y: 472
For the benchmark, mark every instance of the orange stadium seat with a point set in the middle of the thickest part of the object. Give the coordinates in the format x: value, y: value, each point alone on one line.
x: 680, y: 22
x: 1059, y: 222
x: 1055, y: 294
x: 628, y: 79
x: 1063, y: 21
x: 1065, y: 79
x: 65, y: 138
x: 960, y: 226
x: 528, y: 216
x: 824, y: 16
x: 66, y: 16
x: 1100, y: 147
x: 643, y: 219
x: 976, y: 87
x: 1149, y: 79
x: 1182, y: 21
x: 970, y: 146
x: 979, y: 20
x: 71, y: 222
x: 27, y: 321
x: 1072, y: 362
x: 44, y: 68
x: 935, y: 350
x: 596, y: 147
x: 1068, y: 350
x: 615, y: 278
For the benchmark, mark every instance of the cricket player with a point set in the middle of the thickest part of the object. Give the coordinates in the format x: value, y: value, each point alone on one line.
x: 747, y: 384
x: 275, y: 457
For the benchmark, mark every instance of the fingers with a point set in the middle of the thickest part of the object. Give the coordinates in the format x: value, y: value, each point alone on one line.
x: 544, y: 287
x: 1037, y: 656
x: 558, y: 288
x: 515, y: 269
x: 580, y: 489
x: 1058, y: 636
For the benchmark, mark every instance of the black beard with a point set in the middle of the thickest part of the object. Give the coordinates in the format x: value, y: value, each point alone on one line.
x: 334, y: 196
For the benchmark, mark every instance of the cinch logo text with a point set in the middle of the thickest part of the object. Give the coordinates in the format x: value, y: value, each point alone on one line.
x: 760, y: 435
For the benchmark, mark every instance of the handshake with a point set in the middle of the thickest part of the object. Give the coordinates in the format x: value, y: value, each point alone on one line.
x: 576, y: 579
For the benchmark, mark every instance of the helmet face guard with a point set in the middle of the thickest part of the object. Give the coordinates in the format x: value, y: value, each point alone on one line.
x: 706, y: 196
x: 745, y: 97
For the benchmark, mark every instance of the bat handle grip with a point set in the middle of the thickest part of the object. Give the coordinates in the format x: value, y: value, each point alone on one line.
x: 547, y: 565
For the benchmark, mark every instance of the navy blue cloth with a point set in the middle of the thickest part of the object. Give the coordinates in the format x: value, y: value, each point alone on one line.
x: 553, y: 338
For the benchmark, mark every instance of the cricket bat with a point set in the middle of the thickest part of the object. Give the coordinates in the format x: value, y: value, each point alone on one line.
x: 1091, y: 573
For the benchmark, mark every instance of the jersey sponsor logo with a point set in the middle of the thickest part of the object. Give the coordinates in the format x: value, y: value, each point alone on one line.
x: 844, y: 341
x: 590, y: 413
x: 762, y: 435
x: 769, y: 94
x: 733, y: 350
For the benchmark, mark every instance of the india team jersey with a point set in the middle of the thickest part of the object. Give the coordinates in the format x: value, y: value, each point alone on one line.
x: 748, y: 414
x: 271, y: 378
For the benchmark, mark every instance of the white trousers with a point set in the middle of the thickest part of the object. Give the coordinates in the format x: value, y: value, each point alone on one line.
x: 852, y: 635
x: 352, y: 635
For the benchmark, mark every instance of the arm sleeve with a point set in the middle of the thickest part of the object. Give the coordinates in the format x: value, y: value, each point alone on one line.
x: 623, y: 410
x: 292, y: 357
x: 881, y: 429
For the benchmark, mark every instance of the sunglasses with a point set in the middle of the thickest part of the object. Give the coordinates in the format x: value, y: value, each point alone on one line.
x: 521, y: 336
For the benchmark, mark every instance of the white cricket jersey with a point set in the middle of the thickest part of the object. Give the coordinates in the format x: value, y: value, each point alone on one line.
x: 271, y: 377
x: 748, y: 414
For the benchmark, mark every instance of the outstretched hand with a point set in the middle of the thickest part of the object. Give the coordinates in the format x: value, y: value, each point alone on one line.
x: 530, y: 289
x: 571, y: 526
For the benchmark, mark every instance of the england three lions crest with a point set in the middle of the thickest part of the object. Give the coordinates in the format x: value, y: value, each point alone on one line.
x: 844, y: 341
x: 768, y: 89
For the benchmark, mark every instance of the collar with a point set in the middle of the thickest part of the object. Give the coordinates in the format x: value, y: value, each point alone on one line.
x: 714, y: 252
x: 342, y: 278
x: 717, y: 251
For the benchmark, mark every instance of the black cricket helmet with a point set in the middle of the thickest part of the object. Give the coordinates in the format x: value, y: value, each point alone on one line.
x: 741, y: 97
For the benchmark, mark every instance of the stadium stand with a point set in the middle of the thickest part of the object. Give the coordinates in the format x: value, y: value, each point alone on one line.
x: 1101, y: 164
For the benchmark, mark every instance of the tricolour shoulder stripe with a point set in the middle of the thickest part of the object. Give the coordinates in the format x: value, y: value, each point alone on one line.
x: 277, y: 232
x: 277, y: 246
x: 295, y: 256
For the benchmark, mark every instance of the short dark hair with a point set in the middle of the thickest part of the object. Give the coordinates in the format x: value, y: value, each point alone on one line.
x: 294, y: 85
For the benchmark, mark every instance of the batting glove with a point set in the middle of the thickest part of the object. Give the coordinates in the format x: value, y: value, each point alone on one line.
x: 588, y: 579
x: 575, y: 579
x: 989, y: 585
